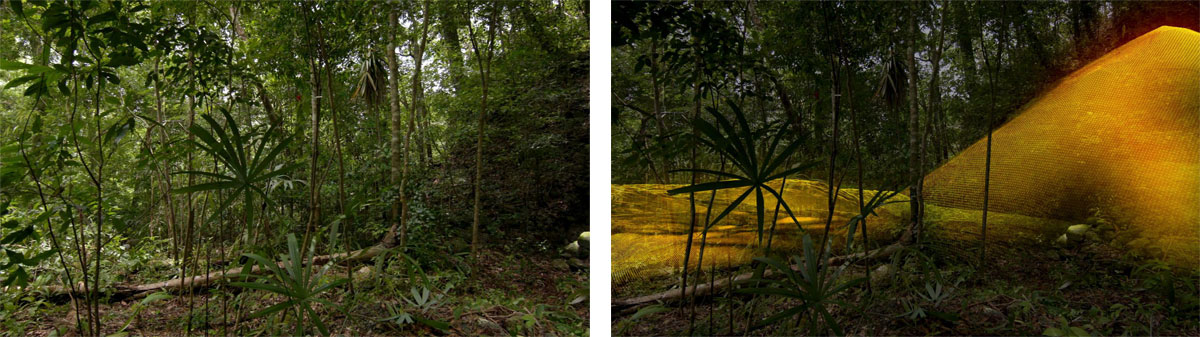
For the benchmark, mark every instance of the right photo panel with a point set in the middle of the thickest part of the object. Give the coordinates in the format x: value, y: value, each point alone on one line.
x: 905, y: 168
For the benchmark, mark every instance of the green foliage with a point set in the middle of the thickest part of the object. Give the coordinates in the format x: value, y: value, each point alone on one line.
x: 929, y: 303
x: 101, y: 96
x: 244, y: 156
x: 17, y: 239
x: 292, y: 277
x: 542, y: 315
x: 1066, y: 329
x: 743, y: 147
x: 1180, y: 294
x: 623, y: 325
x: 423, y: 302
x: 879, y: 199
x: 816, y: 285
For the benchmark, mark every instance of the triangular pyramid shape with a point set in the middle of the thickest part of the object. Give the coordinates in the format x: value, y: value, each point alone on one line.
x: 1120, y: 136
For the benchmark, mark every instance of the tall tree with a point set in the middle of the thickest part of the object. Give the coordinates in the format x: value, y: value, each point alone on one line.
x: 914, y: 127
x: 449, y: 21
x: 396, y: 149
x: 417, y: 109
x: 483, y: 59
x: 313, y: 39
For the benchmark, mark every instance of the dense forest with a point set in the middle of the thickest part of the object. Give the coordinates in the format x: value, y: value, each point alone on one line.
x: 305, y: 167
x: 905, y: 168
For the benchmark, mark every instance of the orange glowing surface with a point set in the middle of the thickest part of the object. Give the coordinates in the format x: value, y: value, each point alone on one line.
x: 1120, y: 136
x: 649, y: 227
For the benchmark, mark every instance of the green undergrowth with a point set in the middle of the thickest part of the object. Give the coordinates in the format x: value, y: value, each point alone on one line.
x: 506, y: 291
x: 1092, y: 284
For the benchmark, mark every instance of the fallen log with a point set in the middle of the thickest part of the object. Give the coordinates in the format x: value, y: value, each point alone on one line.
x: 629, y: 305
x: 124, y: 291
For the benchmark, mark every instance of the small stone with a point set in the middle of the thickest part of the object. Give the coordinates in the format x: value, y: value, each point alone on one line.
x: 993, y: 313
x: 578, y: 300
x: 1078, y: 229
x: 487, y: 325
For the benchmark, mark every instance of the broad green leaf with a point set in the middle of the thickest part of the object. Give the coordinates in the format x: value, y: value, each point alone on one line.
x: 272, y: 309
x: 13, y: 65
x: 733, y: 205
x: 782, y: 315
x: 709, y: 186
x: 261, y: 286
x: 17, y: 278
x: 17, y: 236
x: 432, y: 323
x: 649, y: 310
x: 21, y: 80
x: 156, y: 297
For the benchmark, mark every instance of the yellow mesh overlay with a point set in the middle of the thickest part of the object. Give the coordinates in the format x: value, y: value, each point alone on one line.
x: 1120, y: 136
x: 649, y: 227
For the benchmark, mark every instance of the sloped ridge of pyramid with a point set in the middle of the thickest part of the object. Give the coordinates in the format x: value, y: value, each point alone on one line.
x: 1120, y: 136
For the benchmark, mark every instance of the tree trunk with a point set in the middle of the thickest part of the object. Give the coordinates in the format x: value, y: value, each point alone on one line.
x: 484, y: 59
x: 687, y: 254
x: 478, y: 168
x: 914, y: 129
x: 657, y: 105
x: 835, y: 63
x: 417, y: 109
x: 833, y: 116
x: 190, y: 237
x: 337, y: 133
x: 993, y: 66
x: 448, y: 23
x: 935, y: 84
x: 314, y: 192
x: 394, y: 95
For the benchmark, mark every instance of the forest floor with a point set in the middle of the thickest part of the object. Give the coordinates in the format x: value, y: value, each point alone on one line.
x: 506, y: 291
x: 1021, y: 289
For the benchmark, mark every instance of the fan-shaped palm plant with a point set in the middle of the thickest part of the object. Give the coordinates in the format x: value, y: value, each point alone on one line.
x: 814, y: 283
x: 868, y: 209
x: 296, y: 282
x: 246, y: 160
x: 754, y: 157
x: 372, y: 79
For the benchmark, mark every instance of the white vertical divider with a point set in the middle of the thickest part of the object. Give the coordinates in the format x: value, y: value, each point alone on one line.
x: 600, y: 173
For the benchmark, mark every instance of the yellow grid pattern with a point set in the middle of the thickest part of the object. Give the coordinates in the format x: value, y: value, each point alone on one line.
x: 1120, y: 135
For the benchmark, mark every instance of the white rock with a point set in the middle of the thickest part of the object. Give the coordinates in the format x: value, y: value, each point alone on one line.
x: 1078, y: 229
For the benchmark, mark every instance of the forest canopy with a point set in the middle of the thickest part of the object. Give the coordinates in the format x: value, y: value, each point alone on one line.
x: 779, y: 61
x: 145, y: 141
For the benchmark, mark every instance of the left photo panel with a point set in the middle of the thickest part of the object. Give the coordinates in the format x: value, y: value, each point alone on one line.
x: 353, y: 168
